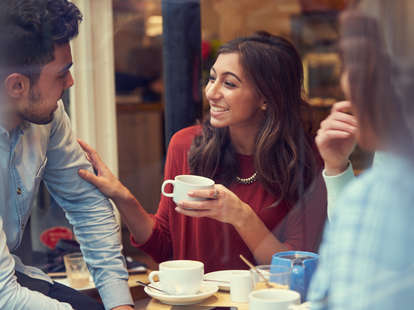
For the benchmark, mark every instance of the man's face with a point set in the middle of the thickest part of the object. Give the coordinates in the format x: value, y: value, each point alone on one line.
x: 42, y: 98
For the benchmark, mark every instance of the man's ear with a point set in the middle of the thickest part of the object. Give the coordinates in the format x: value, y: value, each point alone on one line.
x: 16, y: 85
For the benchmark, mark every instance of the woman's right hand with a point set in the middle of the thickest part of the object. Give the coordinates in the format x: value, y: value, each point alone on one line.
x: 104, y: 180
x: 336, y: 138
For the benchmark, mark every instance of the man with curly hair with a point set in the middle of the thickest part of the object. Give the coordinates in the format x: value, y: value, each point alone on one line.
x: 36, y: 143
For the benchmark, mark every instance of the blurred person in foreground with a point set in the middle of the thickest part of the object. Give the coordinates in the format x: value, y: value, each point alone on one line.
x: 366, y: 254
x: 269, y: 196
x: 36, y: 142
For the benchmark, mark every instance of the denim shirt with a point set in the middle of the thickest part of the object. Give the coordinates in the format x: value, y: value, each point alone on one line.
x: 28, y: 154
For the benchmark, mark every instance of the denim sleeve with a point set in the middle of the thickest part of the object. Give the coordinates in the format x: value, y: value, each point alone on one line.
x: 12, y: 295
x: 90, y: 213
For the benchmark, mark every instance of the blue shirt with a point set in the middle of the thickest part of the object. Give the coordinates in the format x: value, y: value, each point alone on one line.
x: 336, y: 183
x: 28, y: 154
x: 366, y: 258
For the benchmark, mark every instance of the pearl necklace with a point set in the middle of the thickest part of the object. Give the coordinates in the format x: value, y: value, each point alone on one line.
x: 248, y: 180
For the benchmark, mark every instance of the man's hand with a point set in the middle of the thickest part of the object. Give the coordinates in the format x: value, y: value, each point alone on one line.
x: 336, y: 138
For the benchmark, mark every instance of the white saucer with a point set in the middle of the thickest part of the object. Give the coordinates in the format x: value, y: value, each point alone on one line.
x: 220, y: 278
x: 206, y: 291
x: 65, y: 281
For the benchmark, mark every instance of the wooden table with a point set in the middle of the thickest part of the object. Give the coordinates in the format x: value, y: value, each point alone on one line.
x: 137, y: 291
x: 144, y: 302
x: 218, y: 299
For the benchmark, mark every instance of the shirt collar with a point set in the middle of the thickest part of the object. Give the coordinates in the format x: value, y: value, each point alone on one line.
x: 3, y: 132
x: 25, y: 125
x: 20, y: 129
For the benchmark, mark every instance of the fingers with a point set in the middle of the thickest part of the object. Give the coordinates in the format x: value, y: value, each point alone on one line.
x: 342, y: 106
x: 206, y: 193
x: 85, y: 146
x: 201, y: 205
x: 93, y: 157
x: 193, y: 212
x: 88, y: 176
x: 215, y: 194
x: 339, y: 121
x: 340, y: 117
x: 91, y: 153
x: 331, y: 125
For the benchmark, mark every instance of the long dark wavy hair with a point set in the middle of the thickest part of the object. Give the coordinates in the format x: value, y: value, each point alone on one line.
x: 378, y: 59
x: 284, y: 157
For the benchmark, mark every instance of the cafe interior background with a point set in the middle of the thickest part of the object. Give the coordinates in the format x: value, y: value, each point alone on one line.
x: 139, y: 70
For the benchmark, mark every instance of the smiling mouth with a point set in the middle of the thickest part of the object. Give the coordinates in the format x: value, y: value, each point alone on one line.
x: 218, y: 109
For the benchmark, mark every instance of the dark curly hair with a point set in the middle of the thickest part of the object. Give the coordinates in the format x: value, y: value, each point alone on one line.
x: 30, y: 29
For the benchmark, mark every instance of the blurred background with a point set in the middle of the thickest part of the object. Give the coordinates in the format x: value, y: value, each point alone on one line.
x: 140, y: 68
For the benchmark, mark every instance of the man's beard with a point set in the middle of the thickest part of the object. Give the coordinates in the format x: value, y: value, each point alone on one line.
x: 35, y: 104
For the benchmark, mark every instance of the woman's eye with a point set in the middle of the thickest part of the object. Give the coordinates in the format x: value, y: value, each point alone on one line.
x: 211, y: 78
x: 229, y: 84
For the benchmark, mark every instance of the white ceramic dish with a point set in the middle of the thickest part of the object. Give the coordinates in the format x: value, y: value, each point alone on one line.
x: 207, y: 290
x: 220, y: 278
x: 65, y: 281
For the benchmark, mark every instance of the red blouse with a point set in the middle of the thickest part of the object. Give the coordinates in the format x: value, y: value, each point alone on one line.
x: 218, y: 244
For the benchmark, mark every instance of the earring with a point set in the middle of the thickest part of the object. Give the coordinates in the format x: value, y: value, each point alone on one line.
x: 263, y: 107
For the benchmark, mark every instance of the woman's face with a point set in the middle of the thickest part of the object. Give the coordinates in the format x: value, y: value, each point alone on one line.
x: 232, y: 97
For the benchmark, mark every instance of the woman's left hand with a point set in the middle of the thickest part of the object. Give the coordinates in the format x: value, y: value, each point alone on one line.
x: 221, y: 204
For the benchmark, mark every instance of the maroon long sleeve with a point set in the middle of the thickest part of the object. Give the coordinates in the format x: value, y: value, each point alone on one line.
x: 217, y: 244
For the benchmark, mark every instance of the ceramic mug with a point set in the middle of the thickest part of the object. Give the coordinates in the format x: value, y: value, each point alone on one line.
x: 303, y: 265
x: 179, y: 277
x: 273, y: 299
x: 241, y: 284
x: 182, y: 184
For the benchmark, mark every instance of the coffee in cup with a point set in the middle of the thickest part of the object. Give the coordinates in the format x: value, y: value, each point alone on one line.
x: 182, y: 184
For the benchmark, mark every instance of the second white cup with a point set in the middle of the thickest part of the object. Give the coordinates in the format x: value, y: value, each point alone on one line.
x: 273, y: 299
x: 241, y: 284
x: 179, y: 277
x: 182, y: 184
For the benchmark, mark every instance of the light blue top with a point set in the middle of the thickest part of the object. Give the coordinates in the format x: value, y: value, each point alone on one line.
x: 366, y: 257
x: 336, y: 183
x: 50, y: 152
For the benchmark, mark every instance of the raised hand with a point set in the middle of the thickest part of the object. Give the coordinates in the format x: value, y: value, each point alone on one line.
x: 104, y: 179
x: 336, y: 138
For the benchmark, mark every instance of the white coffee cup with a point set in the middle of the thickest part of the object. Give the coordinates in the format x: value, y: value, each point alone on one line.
x: 179, y: 277
x: 273, y: 299
x: 241, y: 284
x: 182, y: 184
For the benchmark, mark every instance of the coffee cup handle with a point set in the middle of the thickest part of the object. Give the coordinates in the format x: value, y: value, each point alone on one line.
x: 163, y: 186
x: 152, y: 275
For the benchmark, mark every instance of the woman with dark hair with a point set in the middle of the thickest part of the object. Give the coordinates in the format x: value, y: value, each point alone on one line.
x: 366, y: 255
x: 267, y: 196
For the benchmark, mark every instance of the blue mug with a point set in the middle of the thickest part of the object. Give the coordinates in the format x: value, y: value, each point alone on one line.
x: 303, y: 264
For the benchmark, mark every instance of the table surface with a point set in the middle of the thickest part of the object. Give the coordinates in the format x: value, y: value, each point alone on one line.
x: 218, y: 299
x: 144, y: 302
